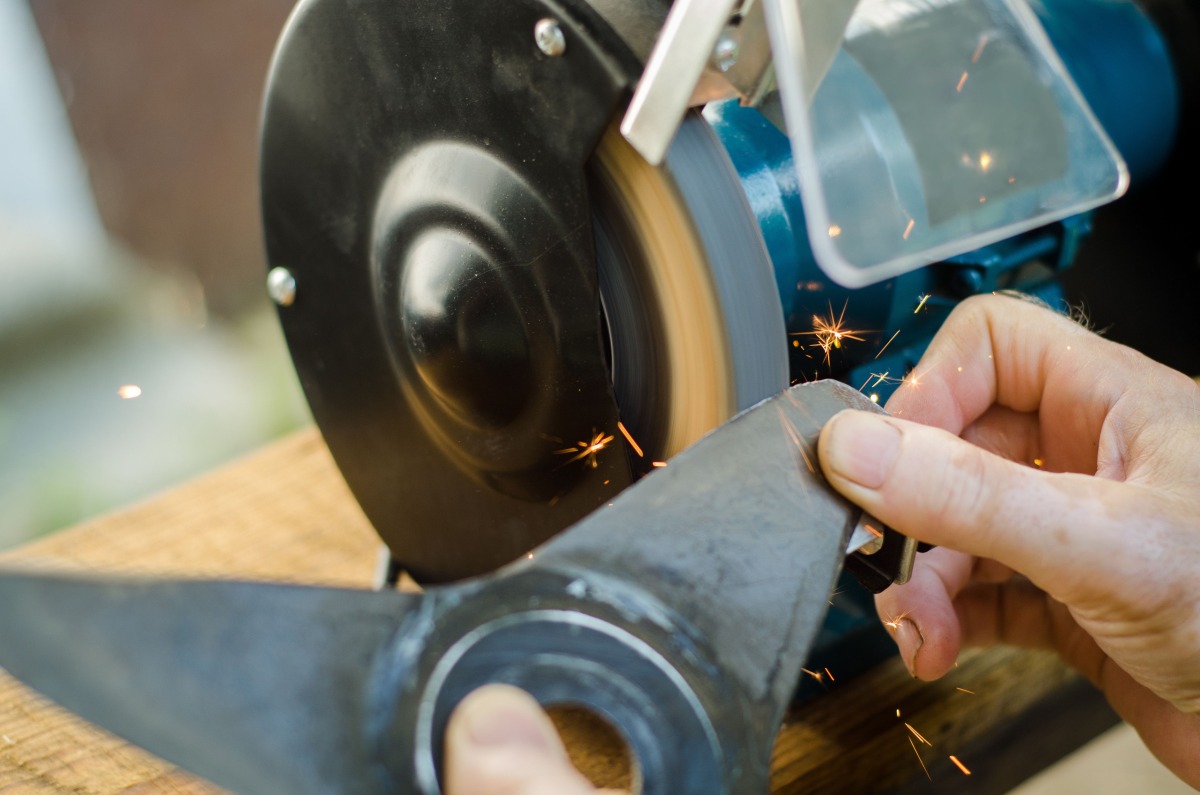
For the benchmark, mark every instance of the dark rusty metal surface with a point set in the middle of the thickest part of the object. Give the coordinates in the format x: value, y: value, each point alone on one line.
x: 682, y: 612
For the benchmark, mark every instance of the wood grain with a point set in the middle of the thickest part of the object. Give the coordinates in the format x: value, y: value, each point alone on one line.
x: 285, y: 514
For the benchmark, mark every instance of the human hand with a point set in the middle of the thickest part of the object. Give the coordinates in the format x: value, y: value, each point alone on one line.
x: 500, y: 742
x: 1060, y: 475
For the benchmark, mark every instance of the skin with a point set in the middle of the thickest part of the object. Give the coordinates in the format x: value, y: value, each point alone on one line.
x: 1094, y: 553
x: 1058, y: 472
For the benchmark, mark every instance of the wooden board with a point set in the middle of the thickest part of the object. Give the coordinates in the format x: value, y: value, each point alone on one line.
x: 284, y: 514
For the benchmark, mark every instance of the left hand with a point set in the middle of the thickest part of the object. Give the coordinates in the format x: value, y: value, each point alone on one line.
x: 500, y: 742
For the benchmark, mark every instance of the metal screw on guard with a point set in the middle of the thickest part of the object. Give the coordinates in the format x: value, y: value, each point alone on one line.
x: 681, y: 612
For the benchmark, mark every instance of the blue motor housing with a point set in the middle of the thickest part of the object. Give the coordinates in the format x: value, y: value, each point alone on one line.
x: 1120, y: 61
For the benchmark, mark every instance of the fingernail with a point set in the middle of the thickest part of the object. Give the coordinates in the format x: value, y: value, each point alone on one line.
x: 861, y: 447
x: 909, y: 640
x: 505, y: 717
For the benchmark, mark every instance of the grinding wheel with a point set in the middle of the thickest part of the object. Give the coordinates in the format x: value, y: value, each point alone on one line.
x: 687, y: 290
x: 454, y: 215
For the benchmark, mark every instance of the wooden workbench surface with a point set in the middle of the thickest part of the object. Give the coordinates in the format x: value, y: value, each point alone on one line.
x: 284, y: 514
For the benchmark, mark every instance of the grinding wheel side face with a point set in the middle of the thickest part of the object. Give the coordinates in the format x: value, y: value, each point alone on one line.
x: 447, y: 320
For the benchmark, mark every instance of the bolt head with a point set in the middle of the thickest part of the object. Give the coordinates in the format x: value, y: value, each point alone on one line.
x: 281, y: 286
x: 725, y: 54
x: 549, y: 37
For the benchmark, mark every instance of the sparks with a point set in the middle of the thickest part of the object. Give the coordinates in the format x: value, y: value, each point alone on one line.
x: 835, y: 230
x: 908, y: 229
x: 658, y: 464
x: 961, y: 766
x: 814, y: 674
x: 920, y: 306
x: 962, y: 81
x: 897, y: 712
x: 985, y: 162
x: 964, y: 690
x: 1039, y: 463
x: 872, y: 531
x: 831, y: 332
x: 529, y: 556
x: 919, y: 759
x: 874, y: 398
x: 917, y: 734
x: 889, y: 342
x: 129, y: 392
x: 830, y: 675
x: 983, y: 40
x: 913, y: 379
x: 894, y: 623
x: 588, y: 451
x: 629, y: 438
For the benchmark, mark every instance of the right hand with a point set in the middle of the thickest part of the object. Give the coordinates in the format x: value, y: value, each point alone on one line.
x: 1060, y: 475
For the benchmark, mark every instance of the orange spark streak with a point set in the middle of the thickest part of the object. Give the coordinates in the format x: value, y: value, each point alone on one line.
x: 919, y: 759
x: 962, y: 81
x: 917, y: 734
x: 983, y: 40
x: 908, y: 229
x: 963, y: 689
x: 889, y: 342
x: 588, y: 450
x: 920, y: 306
x: 827, y: 673
x: 659, y: 464
x: 813, y: 674
x: 961, y: 766
x: 864, y: 386
x: 875, y: 533
x: 629, y: 438
x: 830, y: 333
x: 894, y: 623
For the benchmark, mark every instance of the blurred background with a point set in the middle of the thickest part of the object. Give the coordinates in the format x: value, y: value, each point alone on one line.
x: 137, y: 345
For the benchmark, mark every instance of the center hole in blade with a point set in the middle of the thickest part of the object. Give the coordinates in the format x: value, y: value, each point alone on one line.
x: 596, y: 748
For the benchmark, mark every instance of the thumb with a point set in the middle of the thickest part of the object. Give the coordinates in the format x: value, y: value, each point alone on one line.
x: 500, y: 742
x: 1062, y: 531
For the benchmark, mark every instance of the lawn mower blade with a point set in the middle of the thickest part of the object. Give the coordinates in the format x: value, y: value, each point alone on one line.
x: 260, y: 688
x: 681, y: 612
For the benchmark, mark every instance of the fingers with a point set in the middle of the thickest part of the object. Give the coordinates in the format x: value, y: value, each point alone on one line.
x: 999, y: 351
x: 499, y: 742
x: 920, y: 615
x: 1065, y: 532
